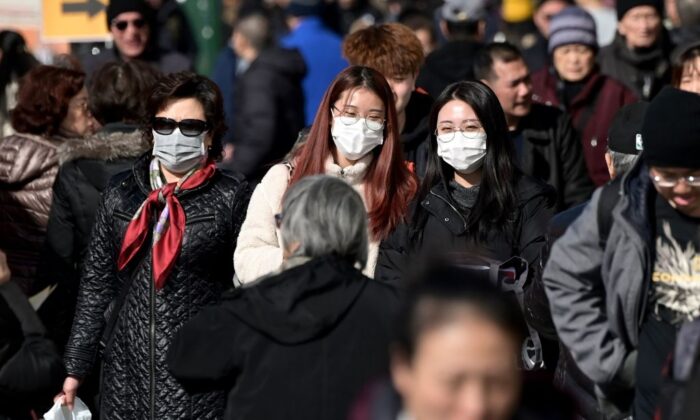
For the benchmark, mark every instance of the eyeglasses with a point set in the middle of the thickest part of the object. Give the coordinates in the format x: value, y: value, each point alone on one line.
x: 372, y: 122
x: 447, y: 133
x: 121, y: 25
x: 670, y: 182
x: 189, y: 127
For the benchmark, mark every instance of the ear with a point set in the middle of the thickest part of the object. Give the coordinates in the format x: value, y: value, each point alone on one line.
x: 609, y: 163
x: 620, y: 28
x: 481, y: 30
x: 400, y: 372
x: 486, y: 82
x: 443, y: 29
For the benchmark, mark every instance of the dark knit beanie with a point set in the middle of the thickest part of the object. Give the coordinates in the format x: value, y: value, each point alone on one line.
x: 625, y: 133
x: 572, y: 25
x: 117, y: 7
x: 623, y: 6
x: 304, y: 8
x: 671, y: 130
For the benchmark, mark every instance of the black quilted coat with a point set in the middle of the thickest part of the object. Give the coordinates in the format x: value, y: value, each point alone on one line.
x: 135, y: 381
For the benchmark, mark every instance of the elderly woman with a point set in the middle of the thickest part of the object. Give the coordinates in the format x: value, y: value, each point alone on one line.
x: 117, y: 101
x: 319, y: 323
x: 575, y: 84
x: 160, y: 249
x: 51, y: 107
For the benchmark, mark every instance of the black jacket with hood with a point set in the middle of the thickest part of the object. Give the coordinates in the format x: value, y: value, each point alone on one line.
x: 300, y: 344
x: 269, y: 111
x: 415, y: 134
x: 84, y: 173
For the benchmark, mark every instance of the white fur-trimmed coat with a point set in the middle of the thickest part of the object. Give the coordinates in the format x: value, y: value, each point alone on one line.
x: 259, y: 250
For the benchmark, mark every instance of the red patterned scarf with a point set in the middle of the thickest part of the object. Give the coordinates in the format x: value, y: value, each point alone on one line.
x: 167, y: 239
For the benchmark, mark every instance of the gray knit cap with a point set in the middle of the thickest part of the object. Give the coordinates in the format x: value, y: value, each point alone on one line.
x: 572, y: 25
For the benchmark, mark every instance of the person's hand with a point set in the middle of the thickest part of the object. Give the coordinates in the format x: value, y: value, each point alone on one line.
x: 4, y: 269
x: 70, y: 388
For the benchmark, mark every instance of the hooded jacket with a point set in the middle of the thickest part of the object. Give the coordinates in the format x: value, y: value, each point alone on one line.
x: 135, y: 382
x: 300, y: 344
x: 84, y: 173
x: 269, y: 111
x: 591, y: 111
x: 28, y: 166
x: 645, y: 72
x: 598, y: 295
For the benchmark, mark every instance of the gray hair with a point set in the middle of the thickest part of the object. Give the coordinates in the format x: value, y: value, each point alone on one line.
x: 622, y: 162
x: 325, y: 215
x: 256, y: 29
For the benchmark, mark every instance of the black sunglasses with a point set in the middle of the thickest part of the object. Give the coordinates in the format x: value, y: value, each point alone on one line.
x: 189, y: 128
x: 123, y: 24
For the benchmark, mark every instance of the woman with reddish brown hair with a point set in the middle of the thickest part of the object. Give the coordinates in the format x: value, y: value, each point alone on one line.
x: 354, y: 137
x: 51, y: 107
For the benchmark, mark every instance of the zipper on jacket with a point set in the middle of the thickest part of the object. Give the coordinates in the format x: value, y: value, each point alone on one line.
x: 152, y: 345
x: 464, y: 222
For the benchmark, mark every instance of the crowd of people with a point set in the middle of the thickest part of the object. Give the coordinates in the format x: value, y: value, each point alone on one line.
x: 464, y: 209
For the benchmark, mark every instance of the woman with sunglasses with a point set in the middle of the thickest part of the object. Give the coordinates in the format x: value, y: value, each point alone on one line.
x: 160, y: 250
x: 354, y: 137
x: 473, y: 197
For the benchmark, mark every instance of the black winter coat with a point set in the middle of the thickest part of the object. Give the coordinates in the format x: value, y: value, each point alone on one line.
x: 84, y: 173
x: 552, y: 152
x: 297, y: 345
x: 452, y: 62
x: 269, y: 111
x: 445, y: 231
x: 416, y: 133
x: 135, y: 382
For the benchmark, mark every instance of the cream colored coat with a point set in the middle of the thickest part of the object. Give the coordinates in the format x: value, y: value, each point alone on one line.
x: 259, y: 249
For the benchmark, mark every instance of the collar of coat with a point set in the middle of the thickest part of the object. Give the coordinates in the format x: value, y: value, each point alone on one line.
x: 111, y: 143
x: 353, y: 174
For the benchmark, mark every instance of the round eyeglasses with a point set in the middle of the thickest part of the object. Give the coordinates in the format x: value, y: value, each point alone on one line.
x: 188, y: 127
x: 447, y: 134
x: 670, y: 182
x: 372, y: 122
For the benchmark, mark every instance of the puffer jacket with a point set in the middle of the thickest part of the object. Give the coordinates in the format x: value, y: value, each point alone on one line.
x: 84, y: 173
x: 598, y: 295
x: 135, y: 381
x: 28, y: 166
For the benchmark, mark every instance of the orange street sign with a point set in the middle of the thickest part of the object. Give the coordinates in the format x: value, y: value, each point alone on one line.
x: 74, y: 20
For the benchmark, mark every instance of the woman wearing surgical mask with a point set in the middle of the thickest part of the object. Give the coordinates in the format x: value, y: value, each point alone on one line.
x: 354, y: 137
x: 160, y: 249
x: 473, y: 198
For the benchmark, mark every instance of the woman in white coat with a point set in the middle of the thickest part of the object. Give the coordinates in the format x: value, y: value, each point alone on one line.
x: 354, y: 137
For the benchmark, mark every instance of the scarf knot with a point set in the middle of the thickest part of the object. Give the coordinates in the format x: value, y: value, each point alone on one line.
x: 170, y: 225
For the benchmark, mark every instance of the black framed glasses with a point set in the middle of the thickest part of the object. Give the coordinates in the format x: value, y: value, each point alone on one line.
x: 121, y: 25
x: 188, y: 127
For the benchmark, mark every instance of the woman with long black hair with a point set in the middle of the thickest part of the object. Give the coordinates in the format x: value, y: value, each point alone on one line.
x: 473, y: 198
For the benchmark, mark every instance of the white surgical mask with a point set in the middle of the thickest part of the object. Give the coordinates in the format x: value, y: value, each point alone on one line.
x: 464, y: 154
x: 177, y: 152
x: 355, y: 140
